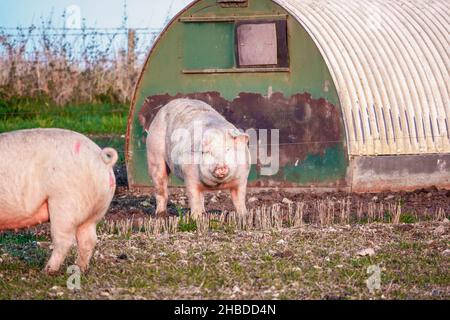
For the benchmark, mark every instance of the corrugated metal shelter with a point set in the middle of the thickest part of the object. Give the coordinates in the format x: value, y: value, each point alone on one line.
x: 389, y: 60
x: 358, y: 88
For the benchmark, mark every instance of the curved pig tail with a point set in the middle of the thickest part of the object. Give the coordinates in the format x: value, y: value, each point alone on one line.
x: 109, y: 156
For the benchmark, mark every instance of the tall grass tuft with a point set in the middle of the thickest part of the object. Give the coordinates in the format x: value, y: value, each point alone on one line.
x: 64, y: 67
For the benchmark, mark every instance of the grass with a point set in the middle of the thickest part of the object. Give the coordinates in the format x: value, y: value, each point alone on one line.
x: 186, y: 224
x: 408, y: 218
x: 24, y: 247
x: 98, y: 119
x: 10, y: 238
x: 292, y: 263
x: 104, y: 123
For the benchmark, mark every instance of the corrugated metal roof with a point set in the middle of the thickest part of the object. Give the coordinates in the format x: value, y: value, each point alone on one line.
x: 390, y: 62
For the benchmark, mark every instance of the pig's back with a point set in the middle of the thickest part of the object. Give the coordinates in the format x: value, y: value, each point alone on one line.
x: 48, y: 144
x: 175, y: 124
x: 188, y: 113
x: 37, y: 162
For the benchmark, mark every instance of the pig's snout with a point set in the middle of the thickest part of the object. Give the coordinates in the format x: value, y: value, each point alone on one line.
x: 221, y: 172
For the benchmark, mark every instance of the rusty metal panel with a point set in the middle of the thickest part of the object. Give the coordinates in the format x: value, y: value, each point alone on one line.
x: 390, y: 62
x: 257, y: 44
x: 310, y: 142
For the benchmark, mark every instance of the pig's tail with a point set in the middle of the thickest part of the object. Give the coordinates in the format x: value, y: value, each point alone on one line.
x: 109, y: 156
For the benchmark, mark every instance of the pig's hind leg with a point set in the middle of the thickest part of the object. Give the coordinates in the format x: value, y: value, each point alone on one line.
x: 86, y: 241
x: 87, y: 238
x: 63, y: 231
x: 159, y: 173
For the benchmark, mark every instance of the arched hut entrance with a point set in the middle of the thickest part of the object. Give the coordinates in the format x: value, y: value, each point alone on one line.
x: 357, y: 89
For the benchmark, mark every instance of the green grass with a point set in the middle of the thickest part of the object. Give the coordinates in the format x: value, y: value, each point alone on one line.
x: 186, y: 224
x: 11, y: 238
x: 96, y: 119
x: 104, y: 123
x: 408, y: 218
x: 23, y: 246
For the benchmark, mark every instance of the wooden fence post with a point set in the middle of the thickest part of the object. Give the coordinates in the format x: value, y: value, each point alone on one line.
x: 131, y: 54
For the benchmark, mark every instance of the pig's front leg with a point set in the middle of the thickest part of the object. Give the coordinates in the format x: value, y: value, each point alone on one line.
x: 238, y: 194
x: 195, y: 201
x: 202, y: 201
x: 193, y: 190
x: 160, y: 176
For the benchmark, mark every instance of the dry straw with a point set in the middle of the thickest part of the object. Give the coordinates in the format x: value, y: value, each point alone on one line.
x: 322, y: 213
x: 63, y: 67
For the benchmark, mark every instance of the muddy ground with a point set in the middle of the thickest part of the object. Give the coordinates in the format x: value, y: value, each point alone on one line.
x: 423, y: 204
x: 316, y: 259
x: 308, y: 262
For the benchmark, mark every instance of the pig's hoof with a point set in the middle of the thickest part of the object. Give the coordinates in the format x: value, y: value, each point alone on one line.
x: 50, y: 271
x: 195, y: 216
x: 83, y: 267
x: 162, y: 215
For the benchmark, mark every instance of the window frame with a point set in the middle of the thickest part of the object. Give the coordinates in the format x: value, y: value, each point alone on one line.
x: 283, y: 65
x: 282, y: 44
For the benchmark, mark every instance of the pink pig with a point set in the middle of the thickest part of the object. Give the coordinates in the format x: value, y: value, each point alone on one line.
x: 196, y: 143
x: 56, y: 175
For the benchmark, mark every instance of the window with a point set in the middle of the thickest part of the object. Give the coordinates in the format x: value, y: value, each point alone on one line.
x: 257, y: 44
x: 261, y: 44
x: 229, y: 44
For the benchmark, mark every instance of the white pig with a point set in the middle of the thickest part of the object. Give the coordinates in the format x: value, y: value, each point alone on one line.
x: 196, y: 143
x: 56, y: 175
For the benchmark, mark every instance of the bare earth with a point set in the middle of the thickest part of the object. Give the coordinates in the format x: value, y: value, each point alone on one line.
x: 323, y: 254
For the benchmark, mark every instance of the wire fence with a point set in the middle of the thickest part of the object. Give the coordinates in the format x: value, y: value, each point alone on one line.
x: 111, y: 40
x: 72, y: 65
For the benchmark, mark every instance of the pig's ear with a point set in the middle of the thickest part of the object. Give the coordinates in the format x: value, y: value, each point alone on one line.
x: 206, y: 141
x: 239, y: 136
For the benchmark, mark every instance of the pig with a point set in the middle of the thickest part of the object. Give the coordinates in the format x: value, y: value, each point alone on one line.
x: 59, y: 176
x: 198, y: 145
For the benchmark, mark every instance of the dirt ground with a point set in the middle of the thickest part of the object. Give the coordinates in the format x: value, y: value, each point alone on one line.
x: 310, y: 262
x: 398, y: 242
x: 423, y: 204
